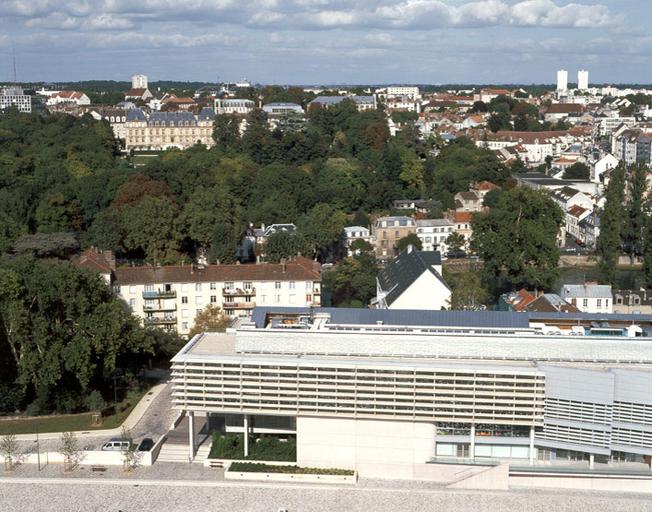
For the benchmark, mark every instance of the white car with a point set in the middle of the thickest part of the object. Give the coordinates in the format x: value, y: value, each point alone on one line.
x: 116, y: 445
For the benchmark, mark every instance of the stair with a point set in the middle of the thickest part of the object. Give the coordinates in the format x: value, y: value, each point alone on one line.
x: 175, y: 452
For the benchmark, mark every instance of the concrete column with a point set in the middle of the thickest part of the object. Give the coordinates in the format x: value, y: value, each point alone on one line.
x: 591, y: 461
x: 531, y: 451
x: 472, y: 443
x: 191, y: 436
x: 246, y: 435
x: 434, y: 442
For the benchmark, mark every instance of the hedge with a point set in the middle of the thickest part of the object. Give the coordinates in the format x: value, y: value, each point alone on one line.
x: 251, y: 467
x: 231, y: 446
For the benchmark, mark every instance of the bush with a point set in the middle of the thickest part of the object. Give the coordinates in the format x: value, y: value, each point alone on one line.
x: 250, y: 467
x: 94, y: 401
x: 231, y: 446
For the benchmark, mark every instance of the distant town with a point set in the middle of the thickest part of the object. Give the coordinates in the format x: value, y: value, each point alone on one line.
x: 327, y: 286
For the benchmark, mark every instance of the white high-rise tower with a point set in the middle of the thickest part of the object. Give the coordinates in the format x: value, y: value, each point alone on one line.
x: 562, y: 80
x: 582, y: 80
x: 139, y: 82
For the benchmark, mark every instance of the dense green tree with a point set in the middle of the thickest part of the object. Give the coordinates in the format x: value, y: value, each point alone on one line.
x: 322, y: 227
x: 499, y: 121
x: 225, y: 243
x: 468, y: 291
x: 283, y: 244
x: 64, y: 330
x: 455, y: 242
x: 517, y: 238
x: 410, y: 239
x: 609, y: 243
x: 226, y: 132
x: 577, y: 171
x: 352, y: 282
x: 150, y: 229
x: 634, y: 225
x: 647, y: 253
x: 256, y: 138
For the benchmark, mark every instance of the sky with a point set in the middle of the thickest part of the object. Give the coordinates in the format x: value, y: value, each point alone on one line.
x: 327, y: 41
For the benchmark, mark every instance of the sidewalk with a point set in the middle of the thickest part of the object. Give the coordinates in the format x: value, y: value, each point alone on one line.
x: 134, y: 417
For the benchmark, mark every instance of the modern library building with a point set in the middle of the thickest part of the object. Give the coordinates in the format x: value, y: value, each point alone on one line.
x: 383, y: 391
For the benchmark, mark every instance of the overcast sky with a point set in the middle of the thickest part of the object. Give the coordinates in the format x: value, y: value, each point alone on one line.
x: 327, y: 41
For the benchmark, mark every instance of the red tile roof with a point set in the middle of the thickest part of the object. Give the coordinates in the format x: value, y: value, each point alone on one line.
x: 299, y: 269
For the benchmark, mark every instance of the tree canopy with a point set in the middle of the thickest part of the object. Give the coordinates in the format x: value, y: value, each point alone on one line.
x: 516, y: 239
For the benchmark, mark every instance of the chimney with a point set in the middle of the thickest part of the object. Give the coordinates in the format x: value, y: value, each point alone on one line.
x: 284, y: 265
x: 410, y: 248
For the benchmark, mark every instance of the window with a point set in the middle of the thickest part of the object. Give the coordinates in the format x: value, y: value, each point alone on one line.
x: 213, y: 299
x: 228, y: 285
x: 184, y: 326
x: 277, y: 285
x: 149, y: 287
x: 132, y: 303
x: 197, y: 287
x: 292, y: 285
x: 277, y: 298
x: 585, y: 303
x: 184, y: 313
x: 213, y: 286
x: 247, y: 285
x: 606, y: 303
x: 308, y: 297
x: 599, y: 303
x: 184, y: 300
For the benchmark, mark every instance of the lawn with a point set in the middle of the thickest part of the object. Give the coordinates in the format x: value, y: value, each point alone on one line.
x: 66, y: 422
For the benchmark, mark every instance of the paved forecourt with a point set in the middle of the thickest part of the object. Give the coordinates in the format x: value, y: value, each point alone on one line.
x: 83, y: 494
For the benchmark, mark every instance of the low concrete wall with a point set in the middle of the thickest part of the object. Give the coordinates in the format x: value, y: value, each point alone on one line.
x: 584, y: 483
x: 287, y: 477
x: 150, y: 457
x: 88, y: 457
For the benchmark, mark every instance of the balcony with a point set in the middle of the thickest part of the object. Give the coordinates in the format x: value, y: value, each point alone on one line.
x: 160, y: 307
x: 238, y: 305
x: 160, y: 294
x: 159, y: 320
x: 238, y: 292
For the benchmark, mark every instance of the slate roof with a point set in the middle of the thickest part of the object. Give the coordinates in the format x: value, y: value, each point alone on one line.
x: 135, y: 114
x: 405, y: 269
x: 359, y: 316
x: 206, y: 114
x: 589, y: 291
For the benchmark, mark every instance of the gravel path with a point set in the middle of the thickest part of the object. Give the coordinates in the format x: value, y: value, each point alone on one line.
x: 136, y: 497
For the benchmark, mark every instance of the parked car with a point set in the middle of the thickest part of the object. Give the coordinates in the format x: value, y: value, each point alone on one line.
x: 146, y: 445
x: 456, y: 254
x: 116, y: 445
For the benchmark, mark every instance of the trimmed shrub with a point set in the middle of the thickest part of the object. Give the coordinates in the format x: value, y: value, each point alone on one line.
x: 231, y: 446
x: 250, y: 467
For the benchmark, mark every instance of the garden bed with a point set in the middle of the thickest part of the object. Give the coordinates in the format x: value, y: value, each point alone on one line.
x: 288, y: 473
x: 267, y: 448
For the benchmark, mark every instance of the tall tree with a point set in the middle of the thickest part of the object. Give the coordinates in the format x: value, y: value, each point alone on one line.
x: 635, y: 219
x: 322, y: 227
x: 647, y: 253
x: 609, y: 243
x: 517, y: 238
x: 226, y: 132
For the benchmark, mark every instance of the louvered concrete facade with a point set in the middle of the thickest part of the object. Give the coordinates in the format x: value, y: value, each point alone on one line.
x: 393, y: 387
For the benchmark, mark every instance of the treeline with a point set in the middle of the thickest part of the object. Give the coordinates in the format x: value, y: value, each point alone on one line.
x: 63, y: 336
x: 62, y: 174
x: 507, y: 113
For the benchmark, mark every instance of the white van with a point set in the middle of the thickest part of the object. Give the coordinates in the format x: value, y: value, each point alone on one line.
x: 116, y: 445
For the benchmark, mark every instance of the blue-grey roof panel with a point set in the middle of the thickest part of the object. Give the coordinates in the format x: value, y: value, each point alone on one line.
x: 495, y: 319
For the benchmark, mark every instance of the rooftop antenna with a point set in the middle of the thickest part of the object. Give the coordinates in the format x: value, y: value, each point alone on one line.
x: 13, y: 51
